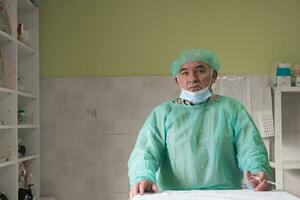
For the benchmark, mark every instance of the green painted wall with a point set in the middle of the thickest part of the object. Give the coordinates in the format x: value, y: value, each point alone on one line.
x: 141, y: 37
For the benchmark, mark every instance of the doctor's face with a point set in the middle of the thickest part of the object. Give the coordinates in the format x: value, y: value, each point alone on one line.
x: 195, y: 76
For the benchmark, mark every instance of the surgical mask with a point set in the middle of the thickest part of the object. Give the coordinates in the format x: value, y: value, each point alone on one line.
x: 196, y: 97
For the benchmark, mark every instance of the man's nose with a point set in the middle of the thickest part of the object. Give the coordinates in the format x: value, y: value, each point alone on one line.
x: 193, y: 77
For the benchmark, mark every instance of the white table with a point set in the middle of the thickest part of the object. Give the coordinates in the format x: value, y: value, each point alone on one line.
x: 217, y: 195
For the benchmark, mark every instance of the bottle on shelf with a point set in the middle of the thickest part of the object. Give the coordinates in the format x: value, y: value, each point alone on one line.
x: 296, y: 75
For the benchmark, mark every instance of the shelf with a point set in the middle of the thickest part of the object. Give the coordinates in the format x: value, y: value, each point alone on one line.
x: 26, y: 158
x: 27, y: 126
x: 5, y: 38
x: 7, y: 105
x: 25, y: 47
x: 6, y: 127
x: 6, y: 90
x: 287, y: 89
x: 6, y: 163
x: 25, y: 5
x: 4, y: 95
x: 291, y: 164
x: 24, y: 51
x: 26, y: 94
x: 20, y: 90
x: 288, y: 164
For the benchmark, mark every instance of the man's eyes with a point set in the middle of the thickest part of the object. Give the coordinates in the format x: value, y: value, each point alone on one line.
x: 198, y: 71
x: 201, y: 70
x: 184, y: 73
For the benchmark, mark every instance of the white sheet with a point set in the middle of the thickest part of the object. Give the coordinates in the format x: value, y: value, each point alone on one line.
x: 217, y: 195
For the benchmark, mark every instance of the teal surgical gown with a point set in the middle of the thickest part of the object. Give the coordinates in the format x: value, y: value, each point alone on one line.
x: 206, y: 146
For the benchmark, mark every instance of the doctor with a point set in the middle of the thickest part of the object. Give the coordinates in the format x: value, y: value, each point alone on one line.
x: 199, y: 140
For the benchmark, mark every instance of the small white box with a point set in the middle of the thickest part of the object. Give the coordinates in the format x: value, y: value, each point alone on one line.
x: 283, y: 80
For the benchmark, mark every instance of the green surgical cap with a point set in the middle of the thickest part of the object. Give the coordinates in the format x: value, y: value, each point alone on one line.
x: 193, y: 55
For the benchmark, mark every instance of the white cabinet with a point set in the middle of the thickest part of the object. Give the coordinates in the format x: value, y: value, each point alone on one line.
x: 286, y: 103
x: 19, y: 98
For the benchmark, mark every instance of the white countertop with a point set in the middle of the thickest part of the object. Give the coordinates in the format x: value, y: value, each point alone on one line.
x: 217, y: 195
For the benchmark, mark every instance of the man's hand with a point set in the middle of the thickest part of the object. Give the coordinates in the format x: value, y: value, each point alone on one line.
x: 142, y: 187
x: 260, y: 182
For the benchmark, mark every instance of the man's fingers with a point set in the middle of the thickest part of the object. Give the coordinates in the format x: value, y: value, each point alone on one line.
x: 248, y: 175
x: 154, y: 188
x: 262, y: 186
x: 135, y: 189
x: 130, y: 194
x: 251, y: 180
x: 254, y: 182
x: 258, y: 181
x: 142, y: 187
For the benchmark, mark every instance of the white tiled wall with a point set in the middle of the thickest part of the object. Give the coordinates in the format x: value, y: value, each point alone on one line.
x: 88, y: 129
x: 89, y: 126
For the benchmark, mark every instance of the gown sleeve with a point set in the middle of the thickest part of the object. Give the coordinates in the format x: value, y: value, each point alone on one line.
x: 251, y: 151
x: 148, y: 151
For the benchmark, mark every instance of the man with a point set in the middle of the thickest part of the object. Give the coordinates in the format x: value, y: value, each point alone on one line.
x: 200, y: 140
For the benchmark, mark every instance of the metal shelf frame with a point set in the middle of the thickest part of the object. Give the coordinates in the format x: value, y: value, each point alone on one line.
x: 279, y: 163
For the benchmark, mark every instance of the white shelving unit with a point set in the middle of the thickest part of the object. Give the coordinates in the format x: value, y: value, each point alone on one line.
x: 282, y: 159
x: 19, y: 91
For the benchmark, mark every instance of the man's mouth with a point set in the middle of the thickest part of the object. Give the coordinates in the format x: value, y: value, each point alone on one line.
x: 194, y: 87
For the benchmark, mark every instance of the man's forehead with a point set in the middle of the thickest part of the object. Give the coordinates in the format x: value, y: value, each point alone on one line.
x: 194, y: 64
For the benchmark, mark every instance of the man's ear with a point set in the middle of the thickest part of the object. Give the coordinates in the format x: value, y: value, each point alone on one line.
x: 215, y: 75
x: 176, y: 80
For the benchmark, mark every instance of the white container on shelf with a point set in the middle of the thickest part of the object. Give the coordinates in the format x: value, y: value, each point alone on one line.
x: 283, y: 74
